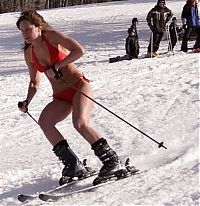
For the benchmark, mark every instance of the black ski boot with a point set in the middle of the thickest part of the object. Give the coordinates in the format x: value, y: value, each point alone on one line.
x: 111, y: 165
x: 73, y: 166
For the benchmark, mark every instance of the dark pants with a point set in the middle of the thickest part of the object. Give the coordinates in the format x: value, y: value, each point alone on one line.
x: 173, y: 41
x: 186, y: 37
x: 197, y: 43
x: 156, y: 41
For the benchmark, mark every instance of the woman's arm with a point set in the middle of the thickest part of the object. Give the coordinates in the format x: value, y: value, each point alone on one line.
x: 75, y: 49
x: 34, y: 78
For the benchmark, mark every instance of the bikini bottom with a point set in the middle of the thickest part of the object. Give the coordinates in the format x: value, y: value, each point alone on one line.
x: 68, y: 94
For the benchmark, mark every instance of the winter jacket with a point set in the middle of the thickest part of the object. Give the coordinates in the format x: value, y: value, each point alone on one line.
x: 158, y: 17
x: 132, y: 46
x: 134, y: 27
x: 190, y: 14
x: 174, y: 30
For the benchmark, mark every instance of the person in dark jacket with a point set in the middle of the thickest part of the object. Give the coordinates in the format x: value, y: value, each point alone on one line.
x: 132, y: 44
x: 190, y: 19
x: 134, y: 26
x: 174, y: 30
x: 157, y: 19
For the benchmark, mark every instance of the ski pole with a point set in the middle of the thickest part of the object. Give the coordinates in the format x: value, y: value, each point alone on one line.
x: 160, y: 144
x: 177, y: 40
x: 152, y: 44
x: 169, y: 39
x: 32, y: 117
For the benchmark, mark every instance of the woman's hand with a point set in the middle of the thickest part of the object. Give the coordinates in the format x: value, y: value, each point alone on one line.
x: 52, y: 73
x: 23, y: 106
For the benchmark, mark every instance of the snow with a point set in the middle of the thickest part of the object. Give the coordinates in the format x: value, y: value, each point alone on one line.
x: 159, y: 96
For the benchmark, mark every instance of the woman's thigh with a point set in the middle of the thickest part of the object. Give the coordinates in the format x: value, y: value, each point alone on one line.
x: 82, y: 105
x: 55, y: 111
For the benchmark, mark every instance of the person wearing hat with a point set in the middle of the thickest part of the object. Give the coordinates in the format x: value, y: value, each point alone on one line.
x: 157, y: 19
x: 134, y: 26
x: 191, y: 23
x: 132, y: 45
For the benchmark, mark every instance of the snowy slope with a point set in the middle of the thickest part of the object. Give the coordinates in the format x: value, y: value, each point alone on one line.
x: 159, y: 96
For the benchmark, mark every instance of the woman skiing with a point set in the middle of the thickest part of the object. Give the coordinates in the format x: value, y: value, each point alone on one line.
x: 53, y: 53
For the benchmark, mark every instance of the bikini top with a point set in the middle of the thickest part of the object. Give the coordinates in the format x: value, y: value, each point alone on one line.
x: 55, y: 56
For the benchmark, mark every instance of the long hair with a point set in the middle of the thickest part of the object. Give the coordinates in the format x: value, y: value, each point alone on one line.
x: 34, y: 18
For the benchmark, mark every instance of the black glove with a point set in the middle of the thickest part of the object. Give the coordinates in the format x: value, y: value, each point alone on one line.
x: 58, y: 74
x: 23, y: 106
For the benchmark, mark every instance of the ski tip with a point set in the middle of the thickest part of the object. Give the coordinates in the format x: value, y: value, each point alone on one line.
x: 49, y: 198
x: 20, y: 196
x: 24, y: 198
x: 41, y: 195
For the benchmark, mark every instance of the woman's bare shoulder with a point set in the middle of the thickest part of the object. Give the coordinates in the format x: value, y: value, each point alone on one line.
x: 55, y: 36
x: 28, y: 53
x: 28, y: 56
x: 51, y: 33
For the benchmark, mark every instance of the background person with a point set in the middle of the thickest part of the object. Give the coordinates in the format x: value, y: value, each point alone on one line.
x: 157, y: 19
x: 191, y: 23
x: 132, y: 44
x: 174, y: 30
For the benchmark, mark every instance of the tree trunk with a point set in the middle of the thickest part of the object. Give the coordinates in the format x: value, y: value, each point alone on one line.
x: 1, y: 7
x: 46, y: 4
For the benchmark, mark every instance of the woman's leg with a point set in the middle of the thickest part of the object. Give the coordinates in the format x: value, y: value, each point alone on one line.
x: 53, y: 113
x: 82, y: 108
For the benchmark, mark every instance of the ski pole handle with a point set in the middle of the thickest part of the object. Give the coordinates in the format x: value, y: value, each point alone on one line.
x: 24, y: 105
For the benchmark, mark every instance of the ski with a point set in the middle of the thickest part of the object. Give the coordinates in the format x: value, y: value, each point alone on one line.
x: 55, y: 197
x: 52, y: 197
x: 26, y: 197
x: 47, y: 197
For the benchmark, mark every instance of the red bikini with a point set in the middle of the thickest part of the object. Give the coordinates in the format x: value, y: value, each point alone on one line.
x: 56, y: 56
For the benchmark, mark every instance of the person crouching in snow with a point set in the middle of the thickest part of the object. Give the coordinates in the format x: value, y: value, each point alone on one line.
x: 134, y: 26
x: 132, y: 44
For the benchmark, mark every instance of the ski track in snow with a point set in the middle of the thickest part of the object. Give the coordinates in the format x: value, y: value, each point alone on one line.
x: 158, y: 96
